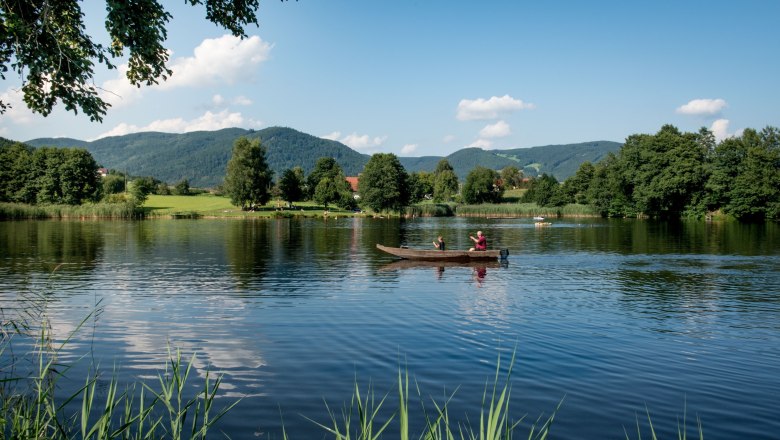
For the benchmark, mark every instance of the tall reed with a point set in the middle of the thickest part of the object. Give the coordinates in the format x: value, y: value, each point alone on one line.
x: 19, y: 211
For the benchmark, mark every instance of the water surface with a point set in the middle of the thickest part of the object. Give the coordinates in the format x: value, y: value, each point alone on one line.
x: 611, y: 316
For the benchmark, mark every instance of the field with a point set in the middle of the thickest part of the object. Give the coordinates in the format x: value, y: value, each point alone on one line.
x: 209, y: 205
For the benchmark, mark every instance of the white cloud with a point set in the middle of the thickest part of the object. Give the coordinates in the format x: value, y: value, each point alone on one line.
x: 224, y: 60
x: 483, y: 109
x: 208, y: 121
x: 481, y: 143
x: 218, y: 100
x: 242, y: 100
x: 408, y: 148
x: 497, y: 130
x: 362, y: 142
x: 17, y: 112
x: 720, y: 129
x: 227, y: 59
x: 449, y: 138
x: 702, y: 107
x: 334, y: 136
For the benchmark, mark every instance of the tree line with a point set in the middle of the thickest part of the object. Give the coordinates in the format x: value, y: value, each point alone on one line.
x: 675, y: 174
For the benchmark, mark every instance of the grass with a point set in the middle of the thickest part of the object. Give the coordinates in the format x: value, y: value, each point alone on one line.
x: 209, y: 205
x: 20, y: 211
x: 525, y: 210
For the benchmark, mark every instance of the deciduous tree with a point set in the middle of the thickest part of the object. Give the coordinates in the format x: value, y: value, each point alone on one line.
x: 383, y: 184
x: 45, y: 43
x: 482, y: 185
x: 248, y: 177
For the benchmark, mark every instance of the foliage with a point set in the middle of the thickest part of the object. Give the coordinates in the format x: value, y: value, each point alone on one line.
x: 291, y: 184
x: 483, y: 185
x: 45, y: 43
x: 575, y: 188
x: 512, y: 177
x: 141, y: 187
x: 182, y: 188
x: 48, y: 175
x: 336, y: 191
x: 113, y: 184
x: 383, y: 184
x: 545, y: 191
x: 445, y: 182
x: 420, y: 186
x: 745, y: 179
x: 326, y: 167
x: 201, y: 156
x: 248, y: 177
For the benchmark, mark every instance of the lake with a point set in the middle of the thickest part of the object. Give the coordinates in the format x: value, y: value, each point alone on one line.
x: 615, y: 317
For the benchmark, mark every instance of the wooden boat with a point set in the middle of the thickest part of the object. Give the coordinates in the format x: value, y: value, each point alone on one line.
x: 437, y: 255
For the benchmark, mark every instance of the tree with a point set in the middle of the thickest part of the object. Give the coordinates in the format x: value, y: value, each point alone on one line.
x: 248, y: 177
x: 291, y: 184
x: 420, y: 186
x: 575, y: 188
x: 545, y: 191
x: 383, y: 184
x: 14, y: 164
x: 113, y: 184
x: 182, y: 188
x: 325, y: 167
x: 445, y: 182
x: 45, y: 43
x: 512, y: 176
x: 482, y: 186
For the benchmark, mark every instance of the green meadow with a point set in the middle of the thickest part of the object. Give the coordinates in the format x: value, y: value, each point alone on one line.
x: 210, y: 205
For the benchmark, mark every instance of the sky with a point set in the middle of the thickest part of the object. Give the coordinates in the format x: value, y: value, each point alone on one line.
x: 422, y: 78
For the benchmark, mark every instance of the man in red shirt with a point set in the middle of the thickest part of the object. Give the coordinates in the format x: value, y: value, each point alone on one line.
x: 480, y: 242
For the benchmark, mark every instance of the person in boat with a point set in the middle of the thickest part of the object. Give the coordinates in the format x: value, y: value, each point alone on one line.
x: 439, y: 244
x: 480, y: 242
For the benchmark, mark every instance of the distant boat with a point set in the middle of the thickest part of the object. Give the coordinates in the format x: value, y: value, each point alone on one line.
x: 437, y: 255
x: 539, y: 219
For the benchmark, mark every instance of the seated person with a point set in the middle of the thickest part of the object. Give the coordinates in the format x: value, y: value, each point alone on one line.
x: 439, y: 244
x: 480, y: 242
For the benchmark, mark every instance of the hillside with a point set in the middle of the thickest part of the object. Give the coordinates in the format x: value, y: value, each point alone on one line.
x: 201, y: 157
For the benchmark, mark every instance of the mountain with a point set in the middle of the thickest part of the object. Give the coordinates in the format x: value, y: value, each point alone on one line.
x: 201, y: 157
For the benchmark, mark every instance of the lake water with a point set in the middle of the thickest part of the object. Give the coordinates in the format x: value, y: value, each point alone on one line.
x: 614, y: 317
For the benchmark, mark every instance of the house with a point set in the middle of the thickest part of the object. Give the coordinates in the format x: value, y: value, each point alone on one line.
x: 103, y: 172
x: 353, y: 184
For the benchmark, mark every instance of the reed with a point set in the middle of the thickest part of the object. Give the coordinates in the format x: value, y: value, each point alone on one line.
x: 494, y: 419
x: 19, y: 211
x: 30, y: 408
x: 525, y: 210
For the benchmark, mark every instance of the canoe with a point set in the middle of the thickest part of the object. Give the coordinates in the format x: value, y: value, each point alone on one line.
x: 437, y: 255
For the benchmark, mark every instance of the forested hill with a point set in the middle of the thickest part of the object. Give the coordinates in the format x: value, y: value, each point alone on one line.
x: 201, y: 157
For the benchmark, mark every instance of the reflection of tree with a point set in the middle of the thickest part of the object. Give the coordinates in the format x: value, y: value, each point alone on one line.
x: 248, y: 249
x: 64, y: 246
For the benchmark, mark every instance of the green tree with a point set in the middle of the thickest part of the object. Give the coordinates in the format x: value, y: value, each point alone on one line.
x: 482, y: 185
x: 79, y: 179
x: 248, y: 177
x: 512, y: 176
x: 383, y: 184
x: 113, y: 184
x: 14, y: 167
x: 575, y: 188
x: 445, y: 182
x: 420, y: 185
x: 182, y: 188
x: 545, y: 191
x: 291, y: 184
x: 324, y: 167
x: 45, y: 43
x: 753, y: 193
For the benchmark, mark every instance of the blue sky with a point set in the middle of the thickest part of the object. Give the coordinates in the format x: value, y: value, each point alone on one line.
x: 420, y: 78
